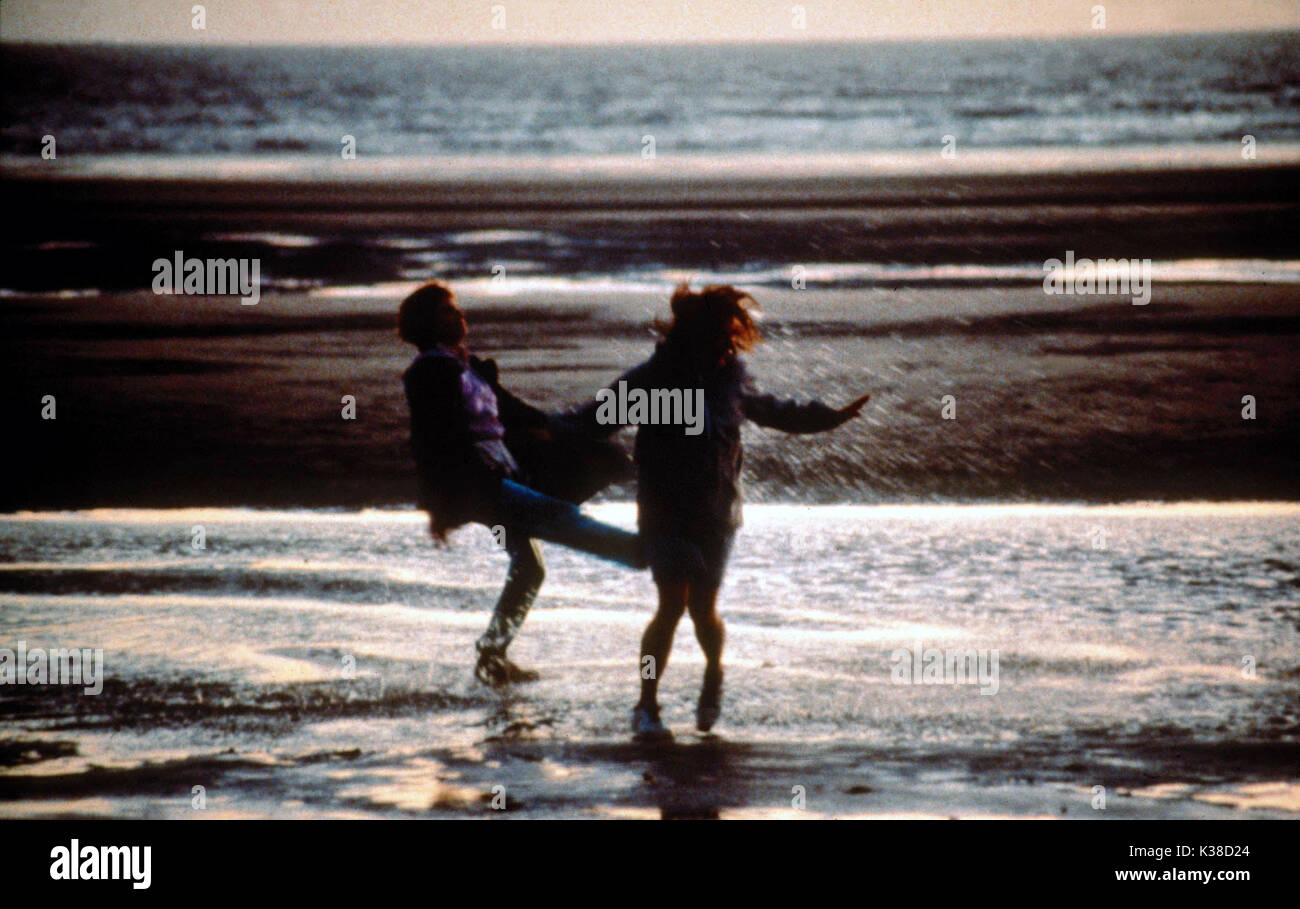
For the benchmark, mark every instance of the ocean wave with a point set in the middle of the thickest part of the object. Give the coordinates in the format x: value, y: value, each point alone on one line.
x: 412, y: 101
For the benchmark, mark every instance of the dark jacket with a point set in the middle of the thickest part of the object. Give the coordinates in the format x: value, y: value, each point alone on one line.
x: 690, y: 485
x: 466, y: 438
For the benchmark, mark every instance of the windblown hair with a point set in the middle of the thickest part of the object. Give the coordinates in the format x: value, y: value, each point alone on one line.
x: 710, y: 314
x: 422, y: 320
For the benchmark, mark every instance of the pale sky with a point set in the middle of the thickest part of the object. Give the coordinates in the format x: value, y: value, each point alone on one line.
x: 616, y: 21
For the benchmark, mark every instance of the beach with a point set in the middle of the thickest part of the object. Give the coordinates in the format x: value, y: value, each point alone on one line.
x: 1083, y: 498
x: 180, y: 401
x: 306, y: 664
x: 1121, y: 628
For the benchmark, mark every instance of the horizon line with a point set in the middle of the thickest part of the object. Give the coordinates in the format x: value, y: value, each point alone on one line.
x: 717, y: 42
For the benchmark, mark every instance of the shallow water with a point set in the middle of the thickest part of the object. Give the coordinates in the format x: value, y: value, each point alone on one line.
x: 1137, y: 646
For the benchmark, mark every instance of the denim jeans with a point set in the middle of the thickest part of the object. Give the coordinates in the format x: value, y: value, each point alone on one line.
x: 528, y: 516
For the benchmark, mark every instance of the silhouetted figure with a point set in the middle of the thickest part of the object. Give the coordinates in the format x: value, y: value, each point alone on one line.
x: 463, y: 429
x: 689, y: 485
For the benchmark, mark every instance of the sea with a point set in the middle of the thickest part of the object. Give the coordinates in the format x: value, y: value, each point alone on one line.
x: 1087, y: 91
x: 227, y: 112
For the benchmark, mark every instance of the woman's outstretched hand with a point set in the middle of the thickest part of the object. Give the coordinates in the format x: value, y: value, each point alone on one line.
x: 853, y: 408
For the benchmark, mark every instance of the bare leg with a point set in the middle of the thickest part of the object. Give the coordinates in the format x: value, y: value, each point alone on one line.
x: 711, y: 633
x: 658, y: 640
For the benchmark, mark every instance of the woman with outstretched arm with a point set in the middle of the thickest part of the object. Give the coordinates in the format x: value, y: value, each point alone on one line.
x: 689, y: 476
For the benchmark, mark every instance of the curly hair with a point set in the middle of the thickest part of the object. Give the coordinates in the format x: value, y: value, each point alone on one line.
x: 718, y: 311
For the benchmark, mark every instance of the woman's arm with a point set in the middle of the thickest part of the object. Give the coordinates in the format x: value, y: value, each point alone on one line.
x: 599, y: 417
x: 791, y: 416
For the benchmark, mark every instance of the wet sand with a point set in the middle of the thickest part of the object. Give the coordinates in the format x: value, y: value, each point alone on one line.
x: 309, y: 664
x: 980, y: 206
x: 372, y: 193
x: 171, y: 401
